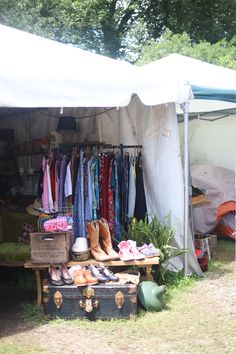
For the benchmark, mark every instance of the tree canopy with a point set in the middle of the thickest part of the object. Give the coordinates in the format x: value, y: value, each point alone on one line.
x: 118, y: 28
x: 221, y: 53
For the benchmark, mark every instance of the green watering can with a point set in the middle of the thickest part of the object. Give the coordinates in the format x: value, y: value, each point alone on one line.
x: 151, y: 295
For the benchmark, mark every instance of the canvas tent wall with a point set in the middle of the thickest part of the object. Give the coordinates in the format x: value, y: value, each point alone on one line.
x: 211, y: 139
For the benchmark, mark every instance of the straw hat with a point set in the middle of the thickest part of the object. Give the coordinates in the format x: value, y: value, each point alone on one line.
x: 34, y: 209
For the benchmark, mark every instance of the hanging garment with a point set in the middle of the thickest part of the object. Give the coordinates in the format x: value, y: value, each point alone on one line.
x: 74, y: 171
x: 62, y: 177
x: 68, y: 181
x: 78, y: 209
x: 111, y: 206
x: 46, y: 195
x: 132, y: 189
x: 104, y: 163
x: 94, y: 203
x: 140, y: 209
x: 118, y: 225
x: 97, y: 186
x: 50, y: 200
x: 125, y: 189
x: 52, y: 177
x: 89, y: 196
x: 57, y: 184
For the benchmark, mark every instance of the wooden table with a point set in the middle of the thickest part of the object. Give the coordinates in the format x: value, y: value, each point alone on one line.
x: 38, y: 268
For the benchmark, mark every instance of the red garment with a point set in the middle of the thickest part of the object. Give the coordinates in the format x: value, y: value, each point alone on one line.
x: 111, y: 205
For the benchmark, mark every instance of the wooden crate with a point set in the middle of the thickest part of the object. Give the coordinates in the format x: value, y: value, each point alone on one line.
x: 208, y: 243
x: 50, y: 247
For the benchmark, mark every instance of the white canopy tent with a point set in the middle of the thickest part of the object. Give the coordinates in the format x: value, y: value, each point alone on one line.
x: 51, y: 74
x: 36, y: 72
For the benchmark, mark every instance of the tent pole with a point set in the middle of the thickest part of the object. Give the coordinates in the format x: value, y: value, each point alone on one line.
x: 186, y: 186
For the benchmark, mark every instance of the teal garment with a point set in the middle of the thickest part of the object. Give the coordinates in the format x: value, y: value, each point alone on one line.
x: 132, y: 189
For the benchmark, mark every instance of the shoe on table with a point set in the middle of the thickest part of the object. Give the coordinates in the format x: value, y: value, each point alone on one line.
x: 125, y: 251
x: 108, y: 273
x: 154, y: 251
x: 65, y: 275
x: 79, y: 278
x: 91, y: 280
x: 97, y: 273
x: 55, y: 276
x: 134, y: 250
x: 146, y: 251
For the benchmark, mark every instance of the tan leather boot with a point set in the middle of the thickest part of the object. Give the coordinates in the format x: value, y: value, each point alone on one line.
x: 105, y: 239
x: 96, y: 251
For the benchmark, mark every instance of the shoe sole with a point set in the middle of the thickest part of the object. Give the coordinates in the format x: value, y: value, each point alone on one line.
x: 81, y: 284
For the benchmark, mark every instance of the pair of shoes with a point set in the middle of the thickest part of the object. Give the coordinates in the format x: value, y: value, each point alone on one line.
x: 59, y: 276
x: 100, y: 241
x: 83, y: 277
x: 149, y: 251
x: 128, y: 251
x: 65, y: 275
x: 102, y: 273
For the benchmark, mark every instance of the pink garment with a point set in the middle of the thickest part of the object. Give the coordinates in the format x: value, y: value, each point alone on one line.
x: 54, y: 225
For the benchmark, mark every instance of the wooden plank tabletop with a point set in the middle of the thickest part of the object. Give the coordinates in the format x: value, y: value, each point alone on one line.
x: 12, y: 263
x: 141, y: 263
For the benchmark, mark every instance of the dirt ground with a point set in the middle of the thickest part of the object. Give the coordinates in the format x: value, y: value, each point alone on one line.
x: 200, y: 320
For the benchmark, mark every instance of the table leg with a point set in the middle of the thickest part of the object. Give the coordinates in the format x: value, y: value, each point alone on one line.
x: 149, y: 273
x: 39, y: 287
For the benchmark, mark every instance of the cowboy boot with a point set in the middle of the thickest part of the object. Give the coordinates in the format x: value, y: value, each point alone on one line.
x: 105, y: 237
x: 96, y: 251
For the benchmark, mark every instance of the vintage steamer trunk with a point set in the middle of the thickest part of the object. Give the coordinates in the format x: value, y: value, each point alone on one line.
x: 102, y: 301
x: 50, y: 247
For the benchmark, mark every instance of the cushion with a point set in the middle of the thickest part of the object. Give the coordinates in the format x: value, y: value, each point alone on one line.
x: 14, y: 251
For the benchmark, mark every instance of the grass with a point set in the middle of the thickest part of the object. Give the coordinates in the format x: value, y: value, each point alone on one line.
x: 33, y: 314
x: 6, y: 347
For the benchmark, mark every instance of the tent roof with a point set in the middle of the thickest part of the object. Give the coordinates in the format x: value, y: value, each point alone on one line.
x: 37, y: 72
x: 208, y: 81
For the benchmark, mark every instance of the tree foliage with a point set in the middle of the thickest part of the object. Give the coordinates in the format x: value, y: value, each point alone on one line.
x: 118, y: 28
x: 221, y: 53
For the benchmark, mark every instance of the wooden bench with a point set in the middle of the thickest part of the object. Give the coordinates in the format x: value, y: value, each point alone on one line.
x: 146, y: 264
